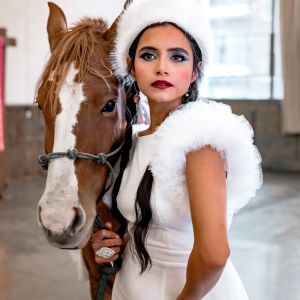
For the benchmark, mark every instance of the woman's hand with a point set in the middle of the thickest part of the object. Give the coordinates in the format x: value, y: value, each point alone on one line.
x: 106, y: 238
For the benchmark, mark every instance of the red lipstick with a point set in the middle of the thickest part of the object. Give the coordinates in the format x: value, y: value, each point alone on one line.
x: 161, y: 84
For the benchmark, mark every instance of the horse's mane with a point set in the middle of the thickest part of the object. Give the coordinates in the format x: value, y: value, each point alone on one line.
x: 75, y: 45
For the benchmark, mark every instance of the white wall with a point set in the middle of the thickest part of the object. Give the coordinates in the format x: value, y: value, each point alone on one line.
x: 26, y: 21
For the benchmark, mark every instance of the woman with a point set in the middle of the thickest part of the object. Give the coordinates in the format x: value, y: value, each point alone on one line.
x: 187, y: 173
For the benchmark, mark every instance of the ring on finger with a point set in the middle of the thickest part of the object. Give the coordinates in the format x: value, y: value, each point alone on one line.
x: 105, y: 252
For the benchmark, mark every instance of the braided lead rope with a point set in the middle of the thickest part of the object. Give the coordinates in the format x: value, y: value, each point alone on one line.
x: 104, y: 270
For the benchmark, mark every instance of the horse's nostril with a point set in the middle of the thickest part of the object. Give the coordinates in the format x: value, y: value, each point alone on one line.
x: 77, y: 222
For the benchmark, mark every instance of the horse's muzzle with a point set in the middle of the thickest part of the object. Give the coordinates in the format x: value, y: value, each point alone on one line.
x: 66, y: 236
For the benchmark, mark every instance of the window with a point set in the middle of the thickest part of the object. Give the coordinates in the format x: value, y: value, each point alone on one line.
x: 243, y: 66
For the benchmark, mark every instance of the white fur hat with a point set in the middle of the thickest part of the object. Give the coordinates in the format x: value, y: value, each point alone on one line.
x: 190, y: 15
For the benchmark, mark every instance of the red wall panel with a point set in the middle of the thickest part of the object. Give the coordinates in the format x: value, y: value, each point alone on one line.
x: 1, y: 94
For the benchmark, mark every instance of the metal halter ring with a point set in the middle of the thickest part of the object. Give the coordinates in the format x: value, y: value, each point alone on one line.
x: 105, y: 252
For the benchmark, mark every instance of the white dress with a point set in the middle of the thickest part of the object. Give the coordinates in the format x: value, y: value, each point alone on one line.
x: 170, y: 237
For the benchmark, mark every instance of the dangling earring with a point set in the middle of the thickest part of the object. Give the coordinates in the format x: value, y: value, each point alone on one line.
x: 137, y: 96
x: 187, y: 95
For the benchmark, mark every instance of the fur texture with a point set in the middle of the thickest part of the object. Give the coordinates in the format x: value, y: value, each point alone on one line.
x: 198, y: 124
x: 190, y: 15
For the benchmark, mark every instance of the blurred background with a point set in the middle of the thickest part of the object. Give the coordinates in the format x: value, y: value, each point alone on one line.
x: 255, y: 69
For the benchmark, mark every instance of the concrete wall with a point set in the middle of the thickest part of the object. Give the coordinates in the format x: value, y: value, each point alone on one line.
x: 24, y: 137
x: 25, y: 130
x: 279, y: 152
x: 26, y: 21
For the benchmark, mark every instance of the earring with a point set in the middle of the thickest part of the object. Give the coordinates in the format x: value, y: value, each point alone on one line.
x: 137, y: 96
x: 187, y: 95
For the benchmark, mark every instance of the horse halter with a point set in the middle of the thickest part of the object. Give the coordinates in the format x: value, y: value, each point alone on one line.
x: 101, y: 159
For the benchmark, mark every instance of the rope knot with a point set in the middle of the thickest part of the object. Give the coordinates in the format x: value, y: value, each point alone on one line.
x: 101, y: 158
x: 72, y: 154
x: 43, y: 161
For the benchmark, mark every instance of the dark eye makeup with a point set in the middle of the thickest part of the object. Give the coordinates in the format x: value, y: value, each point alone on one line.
x: 147, y: 56
x: 177, y: 57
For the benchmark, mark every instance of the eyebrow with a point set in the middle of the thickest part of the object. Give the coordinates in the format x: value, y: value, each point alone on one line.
x: 177, y: 49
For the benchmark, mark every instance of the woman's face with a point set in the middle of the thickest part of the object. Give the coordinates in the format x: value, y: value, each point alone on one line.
x: 163, y: 66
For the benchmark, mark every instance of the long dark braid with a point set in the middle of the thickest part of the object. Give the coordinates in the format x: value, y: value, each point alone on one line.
x: 143, y: 214
x: 131, y: 111
x: 142, y: 204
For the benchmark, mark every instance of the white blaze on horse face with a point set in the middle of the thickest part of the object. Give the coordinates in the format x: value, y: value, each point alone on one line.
x: 61, y: 193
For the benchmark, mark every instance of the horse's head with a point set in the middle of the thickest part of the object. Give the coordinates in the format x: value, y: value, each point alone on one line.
x: 83, y: 109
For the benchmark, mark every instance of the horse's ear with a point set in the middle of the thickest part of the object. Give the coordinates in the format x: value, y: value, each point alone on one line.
x: 57, y: 23
x: 111, y: 32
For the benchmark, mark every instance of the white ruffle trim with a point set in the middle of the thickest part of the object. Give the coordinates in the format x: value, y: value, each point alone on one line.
x: 195, y: 126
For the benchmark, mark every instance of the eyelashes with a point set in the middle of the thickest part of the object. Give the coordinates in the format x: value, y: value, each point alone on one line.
x: 147, y: 56
x: 179, y: 57
x: 176, y: 57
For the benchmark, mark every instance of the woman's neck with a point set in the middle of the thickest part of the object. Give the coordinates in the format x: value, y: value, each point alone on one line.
x: 159, y: 112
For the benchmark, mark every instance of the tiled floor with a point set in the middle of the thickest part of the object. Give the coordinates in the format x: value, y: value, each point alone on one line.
x: 265, y: 239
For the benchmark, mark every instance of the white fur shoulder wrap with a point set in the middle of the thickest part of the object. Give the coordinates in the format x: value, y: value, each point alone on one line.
x: 199, y: 124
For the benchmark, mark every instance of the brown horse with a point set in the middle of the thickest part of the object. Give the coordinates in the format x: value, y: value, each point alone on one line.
x: 83, y: 105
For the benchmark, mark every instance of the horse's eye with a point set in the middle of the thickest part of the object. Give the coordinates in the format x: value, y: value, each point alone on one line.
x: 109, y: 106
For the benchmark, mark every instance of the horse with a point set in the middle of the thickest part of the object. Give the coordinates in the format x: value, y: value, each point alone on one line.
x: 84, y: 110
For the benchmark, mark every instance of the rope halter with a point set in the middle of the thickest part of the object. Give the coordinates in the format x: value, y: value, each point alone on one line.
x: 100, y: 158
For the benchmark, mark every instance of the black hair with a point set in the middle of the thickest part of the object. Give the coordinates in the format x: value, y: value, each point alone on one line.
x: 143, y: 209
x: 131, y: 112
